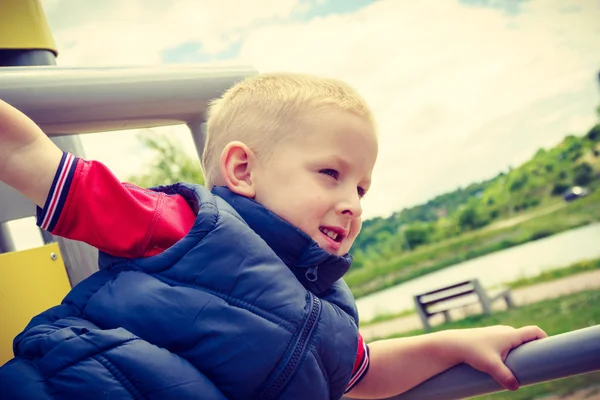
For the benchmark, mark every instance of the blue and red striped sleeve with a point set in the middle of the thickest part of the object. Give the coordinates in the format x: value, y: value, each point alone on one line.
x: 361, y: 364
x: 55, y: 201
x: 86, y: 202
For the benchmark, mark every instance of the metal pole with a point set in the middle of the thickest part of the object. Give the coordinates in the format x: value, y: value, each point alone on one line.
x: 556, y: 357
x: 198, y: 131
x: 6, y: 243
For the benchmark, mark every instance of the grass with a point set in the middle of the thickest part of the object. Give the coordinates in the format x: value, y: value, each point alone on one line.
x: 573, y: 269
x: 560, y: 315
x: 386, y: 317
x: 434, y: 257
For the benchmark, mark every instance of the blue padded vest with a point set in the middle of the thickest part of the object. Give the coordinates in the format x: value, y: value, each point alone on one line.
x: 245, y: 306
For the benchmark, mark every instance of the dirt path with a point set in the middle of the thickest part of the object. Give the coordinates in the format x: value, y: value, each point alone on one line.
x: 521, y: 218
x: 522, y: 296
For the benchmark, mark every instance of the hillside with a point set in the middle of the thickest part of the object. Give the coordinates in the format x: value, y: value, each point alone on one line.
x: 539, y: 181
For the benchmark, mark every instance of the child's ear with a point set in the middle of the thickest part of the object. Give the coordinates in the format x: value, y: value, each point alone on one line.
x: 236, y: 162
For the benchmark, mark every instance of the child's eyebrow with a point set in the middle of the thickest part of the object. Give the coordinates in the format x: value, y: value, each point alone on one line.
x: 346, y: 165
x: 342, y: 162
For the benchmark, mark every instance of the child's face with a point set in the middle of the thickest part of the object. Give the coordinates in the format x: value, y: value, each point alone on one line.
x: 315, y: 181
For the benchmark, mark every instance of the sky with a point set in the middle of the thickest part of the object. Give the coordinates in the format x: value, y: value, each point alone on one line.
x: 460, y: 89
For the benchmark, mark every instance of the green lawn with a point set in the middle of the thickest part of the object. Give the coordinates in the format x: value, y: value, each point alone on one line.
x: 555, y: 316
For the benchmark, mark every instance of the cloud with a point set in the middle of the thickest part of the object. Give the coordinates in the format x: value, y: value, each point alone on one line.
x: 114, y: 32
x: 460, y: 91
x: 456, y: 89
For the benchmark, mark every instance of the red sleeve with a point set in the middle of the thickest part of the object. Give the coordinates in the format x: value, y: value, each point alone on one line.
x: 88, y: 203
x: 361, y: 364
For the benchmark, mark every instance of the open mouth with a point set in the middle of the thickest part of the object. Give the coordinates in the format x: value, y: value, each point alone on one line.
x: 337, y: 237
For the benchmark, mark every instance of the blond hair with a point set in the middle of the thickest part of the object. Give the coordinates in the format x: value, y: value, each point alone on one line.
x: 264, y: 110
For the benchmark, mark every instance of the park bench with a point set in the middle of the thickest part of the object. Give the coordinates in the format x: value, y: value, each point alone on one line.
x: 441, y: 301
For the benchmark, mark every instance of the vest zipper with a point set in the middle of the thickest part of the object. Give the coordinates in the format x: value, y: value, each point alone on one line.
x: 312, y: 273
x: 298, y: 351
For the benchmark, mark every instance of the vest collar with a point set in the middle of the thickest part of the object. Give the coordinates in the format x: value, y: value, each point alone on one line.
x: 316, y: 269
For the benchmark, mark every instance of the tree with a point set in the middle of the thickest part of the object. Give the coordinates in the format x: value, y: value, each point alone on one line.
x: 594, y: 133
x: 583, y: 174
x: 171, y: 164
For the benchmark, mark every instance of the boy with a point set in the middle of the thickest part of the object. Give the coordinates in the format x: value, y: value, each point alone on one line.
x: 233, y: 293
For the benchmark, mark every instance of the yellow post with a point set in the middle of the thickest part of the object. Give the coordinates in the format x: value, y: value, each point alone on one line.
x: 31, y: 281
x: 23, y: 26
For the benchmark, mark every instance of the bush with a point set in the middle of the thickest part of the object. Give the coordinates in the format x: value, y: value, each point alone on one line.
x: 471, y: 218
x: 417, y: 234
x: 518, y: 183
x: 559, y: 188
x: 540, y: 234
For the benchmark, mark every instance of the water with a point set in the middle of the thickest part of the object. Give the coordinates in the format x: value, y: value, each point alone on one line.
x: 525, y: 260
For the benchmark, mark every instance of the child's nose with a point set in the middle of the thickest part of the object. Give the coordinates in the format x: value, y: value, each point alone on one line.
x: 351, y: 206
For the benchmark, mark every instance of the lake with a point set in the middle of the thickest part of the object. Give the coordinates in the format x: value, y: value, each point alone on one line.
x: 525, y: 260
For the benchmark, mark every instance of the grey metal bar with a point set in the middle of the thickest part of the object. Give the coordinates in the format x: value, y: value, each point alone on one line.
x: 69, y: 101
x: 559, y: 356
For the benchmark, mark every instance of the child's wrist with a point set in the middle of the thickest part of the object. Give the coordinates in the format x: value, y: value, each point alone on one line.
x: 447, y: 346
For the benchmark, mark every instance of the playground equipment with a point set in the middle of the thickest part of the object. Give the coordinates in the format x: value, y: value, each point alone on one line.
x: 70, y: 101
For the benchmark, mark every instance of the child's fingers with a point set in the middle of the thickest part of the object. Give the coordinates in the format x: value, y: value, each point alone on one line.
x: 500, y: 372
x: 528, y: 334
x: 504, y: 376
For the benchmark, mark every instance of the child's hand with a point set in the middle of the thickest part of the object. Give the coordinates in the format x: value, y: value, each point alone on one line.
x: 486, y: 349
x: 418, y: 358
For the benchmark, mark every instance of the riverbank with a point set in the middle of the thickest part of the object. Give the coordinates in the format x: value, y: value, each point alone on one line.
x: 537, y: 224
x: 563, y: 313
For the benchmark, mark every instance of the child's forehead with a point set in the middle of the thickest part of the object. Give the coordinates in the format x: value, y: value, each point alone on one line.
x: 346, y: 143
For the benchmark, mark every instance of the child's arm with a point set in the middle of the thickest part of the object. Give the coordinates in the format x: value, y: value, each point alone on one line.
x: 83, y: 200
x: 398, y: 365
x: 28, y: 159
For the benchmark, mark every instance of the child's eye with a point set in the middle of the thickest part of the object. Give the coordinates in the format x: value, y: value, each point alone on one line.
x: 331, y: 172
x: 361, y: 192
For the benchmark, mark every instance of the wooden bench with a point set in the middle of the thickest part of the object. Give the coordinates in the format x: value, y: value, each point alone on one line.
x: 441, y: 301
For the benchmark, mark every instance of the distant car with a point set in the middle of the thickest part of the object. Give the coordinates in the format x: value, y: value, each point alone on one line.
x: 574, y: 193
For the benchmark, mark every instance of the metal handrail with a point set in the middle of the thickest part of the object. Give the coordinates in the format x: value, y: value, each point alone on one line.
x: 71, y: 101
x: 572, y: 353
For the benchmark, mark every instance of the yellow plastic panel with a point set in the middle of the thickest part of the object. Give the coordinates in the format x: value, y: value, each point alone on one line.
x: 31, y: 281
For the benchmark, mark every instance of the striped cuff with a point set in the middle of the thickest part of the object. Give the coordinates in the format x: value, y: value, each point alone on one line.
x: 49, y: 215
x: 361, y: 369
